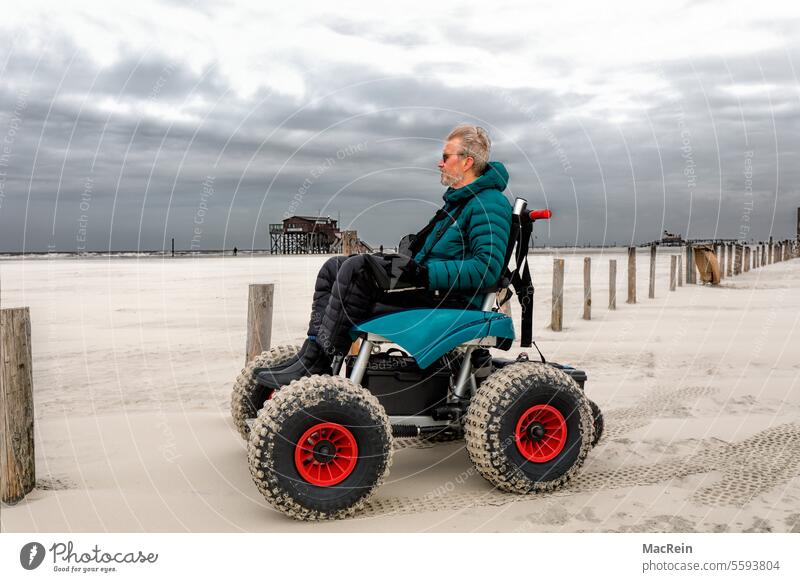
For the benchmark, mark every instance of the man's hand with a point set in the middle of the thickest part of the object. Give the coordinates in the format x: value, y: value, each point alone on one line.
x: 411, y: 274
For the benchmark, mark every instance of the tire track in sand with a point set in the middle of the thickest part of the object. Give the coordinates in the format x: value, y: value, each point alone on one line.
x: 749, y: 468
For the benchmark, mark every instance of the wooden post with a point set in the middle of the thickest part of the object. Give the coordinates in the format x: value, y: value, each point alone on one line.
x: 689, y: 264
x: 173, y: 247
x: 730, y: 261
x: 17, y: 460
x: 587, y: 288
x: 673, y: 265
x: 652, y: 291
x: 737, y: 261
x: 770, y: 256
x: 763, y: 254
x: 680, y: 270
x: 612, y: 284
x: 746, y: 258
x: 722, y: 261
x: 348, y: 242
x: 557, y: 316
x: 259, y: 319
x: 502, y: 297
x: 631, y: 275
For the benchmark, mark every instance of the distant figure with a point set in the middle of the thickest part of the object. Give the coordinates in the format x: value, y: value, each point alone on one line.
x: 235, y: 251
x: 381, y: 249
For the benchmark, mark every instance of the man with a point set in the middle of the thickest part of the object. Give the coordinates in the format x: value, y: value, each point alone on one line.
x: 456, y: 256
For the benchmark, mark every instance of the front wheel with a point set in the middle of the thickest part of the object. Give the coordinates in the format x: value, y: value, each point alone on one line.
x: 320, y: 448
x: 529, y: 428
x: 247, y: 397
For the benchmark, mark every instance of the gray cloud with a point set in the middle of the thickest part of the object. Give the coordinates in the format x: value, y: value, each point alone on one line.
x: 121, y: 153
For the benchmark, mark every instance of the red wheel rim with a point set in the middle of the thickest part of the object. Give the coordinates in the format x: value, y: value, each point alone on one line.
x: 326, y: 454
x: 541, y: 433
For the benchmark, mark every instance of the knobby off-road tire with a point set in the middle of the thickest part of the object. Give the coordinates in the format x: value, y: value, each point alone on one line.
x: 299, y: 417
x: 504, y: 403
x: 247, y: 397
x: 599, y: 422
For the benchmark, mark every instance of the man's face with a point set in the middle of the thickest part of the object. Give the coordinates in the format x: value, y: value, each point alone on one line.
x: 451, y: 165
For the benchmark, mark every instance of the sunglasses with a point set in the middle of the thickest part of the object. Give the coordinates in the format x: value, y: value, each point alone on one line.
x: 446, y: 157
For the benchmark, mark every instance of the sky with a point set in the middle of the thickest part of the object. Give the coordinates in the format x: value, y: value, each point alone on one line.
x: 123, y: 125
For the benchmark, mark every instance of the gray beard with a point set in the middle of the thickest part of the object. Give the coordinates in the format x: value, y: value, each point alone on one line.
x: 448, y: 180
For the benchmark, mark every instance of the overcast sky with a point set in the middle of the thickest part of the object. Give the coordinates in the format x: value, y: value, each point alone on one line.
x: 125, y: 124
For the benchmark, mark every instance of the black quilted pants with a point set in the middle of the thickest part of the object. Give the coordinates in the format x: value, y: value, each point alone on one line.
x: 345, y: 294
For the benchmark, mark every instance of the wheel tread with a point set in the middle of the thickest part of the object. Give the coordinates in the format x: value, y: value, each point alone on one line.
x: 482, y: 424
x: 303, y: 394
x: 245, y: 385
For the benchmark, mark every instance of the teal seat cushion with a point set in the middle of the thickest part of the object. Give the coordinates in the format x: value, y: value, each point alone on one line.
x: 428, y: 334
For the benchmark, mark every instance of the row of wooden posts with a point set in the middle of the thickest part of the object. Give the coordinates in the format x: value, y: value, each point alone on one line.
x: 732, y: 258
x: 17, y: 466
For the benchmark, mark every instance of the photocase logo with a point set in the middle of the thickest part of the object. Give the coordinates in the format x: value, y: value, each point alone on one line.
x: 31, y: 555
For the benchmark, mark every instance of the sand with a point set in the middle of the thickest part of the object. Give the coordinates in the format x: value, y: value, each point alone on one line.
x: 134, y: 360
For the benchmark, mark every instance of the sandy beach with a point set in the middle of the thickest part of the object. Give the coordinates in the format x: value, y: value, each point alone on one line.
x: 134, y: 360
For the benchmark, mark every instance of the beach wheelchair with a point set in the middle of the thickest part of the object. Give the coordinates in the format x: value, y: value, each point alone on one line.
x: 319, y: 447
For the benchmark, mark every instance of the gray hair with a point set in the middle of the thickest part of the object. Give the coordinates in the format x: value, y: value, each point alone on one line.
x: 475, y: 142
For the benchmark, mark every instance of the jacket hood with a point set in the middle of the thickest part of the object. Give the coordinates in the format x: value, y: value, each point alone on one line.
x: 494, y: 178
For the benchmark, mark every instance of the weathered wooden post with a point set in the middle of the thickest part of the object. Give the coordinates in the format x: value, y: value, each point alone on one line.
x: 763, y: 254
x: 587, y: 288
x: 770, y: 255
x: 557, y: 315
x: 631, y: 275
x: 505, y: 301
x: 17, y: 460
x: 746, y: 258
x: 349, y: 238
x: 612, y: 284
x: 680, y: 270
x: 259, y: 319
x: 737, y: 261
x: 730, y: 260
x: 673, y: 265
x: 722, y: 261
x: 689, y: 264
x: 652, y: 291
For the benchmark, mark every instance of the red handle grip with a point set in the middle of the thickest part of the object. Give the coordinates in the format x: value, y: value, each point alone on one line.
x: 542, y: 214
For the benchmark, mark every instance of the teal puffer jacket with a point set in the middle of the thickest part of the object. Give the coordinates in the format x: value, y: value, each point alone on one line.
x: 470, y: 254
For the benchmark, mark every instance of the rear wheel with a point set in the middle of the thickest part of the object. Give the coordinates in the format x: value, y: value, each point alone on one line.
x: 247, y: 397
x: 529, y: 428
x: 320, y: 448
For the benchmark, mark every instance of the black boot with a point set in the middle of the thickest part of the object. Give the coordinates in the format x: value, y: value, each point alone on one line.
x: 287, y: 363
x: 313, y: 361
